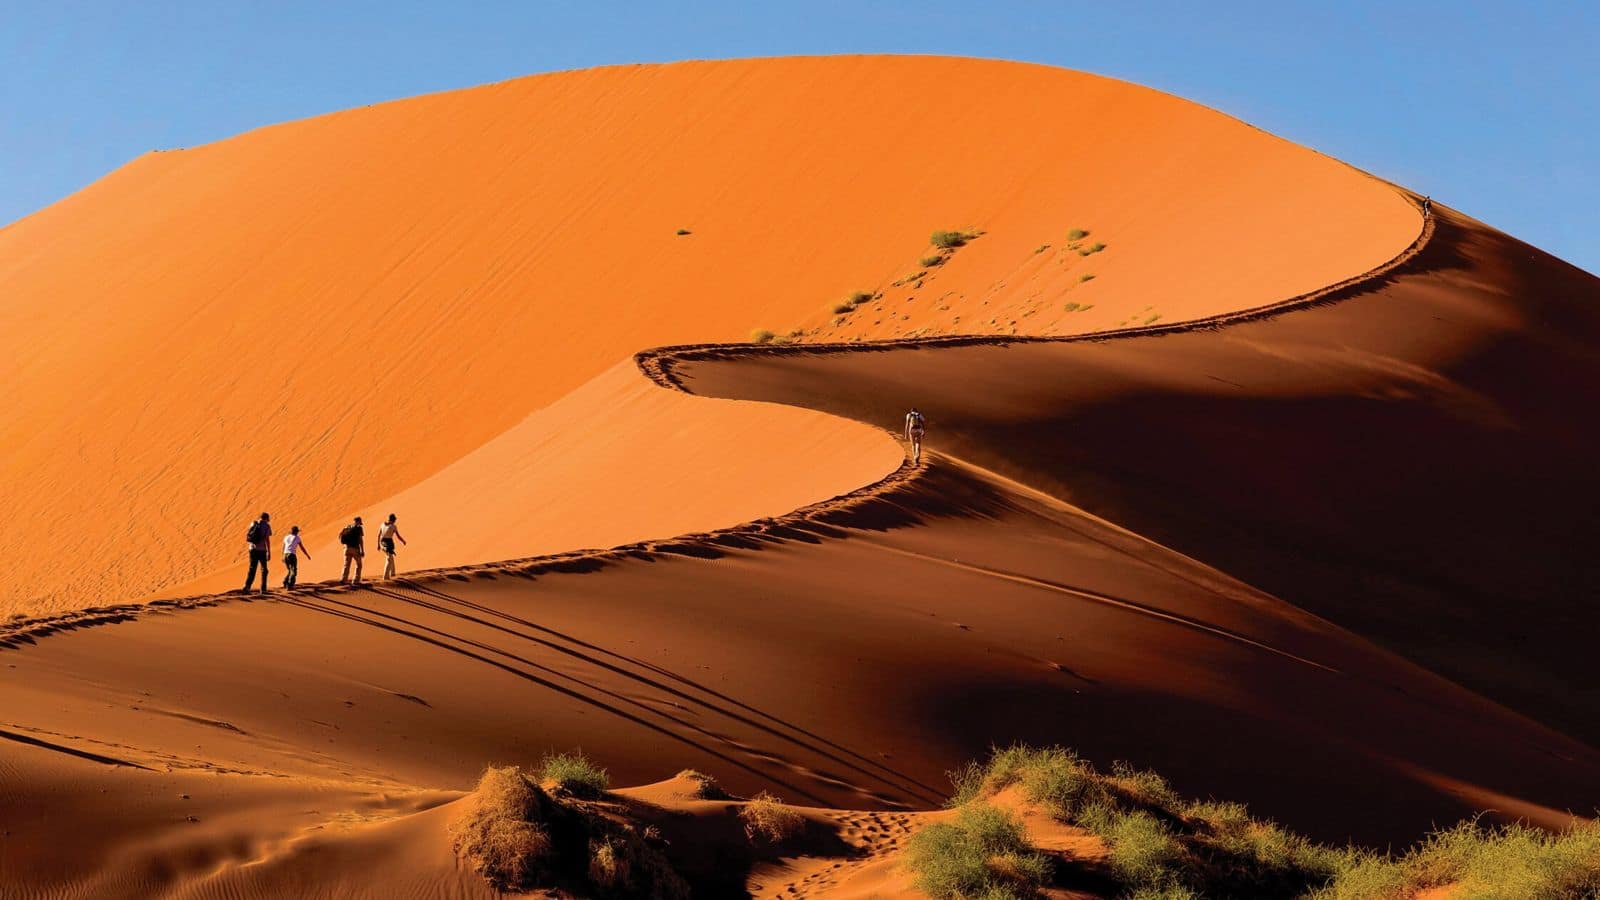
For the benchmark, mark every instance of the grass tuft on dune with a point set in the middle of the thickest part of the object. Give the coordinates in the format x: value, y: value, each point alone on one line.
x: 574, y: 772
x: 983, y: 853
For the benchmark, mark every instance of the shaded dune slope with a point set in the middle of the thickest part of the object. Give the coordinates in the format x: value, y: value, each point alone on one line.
x: 315, y: 316
x: 1399, y: 457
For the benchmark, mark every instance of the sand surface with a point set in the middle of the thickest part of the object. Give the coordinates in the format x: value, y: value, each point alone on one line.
x: 1320, y: 557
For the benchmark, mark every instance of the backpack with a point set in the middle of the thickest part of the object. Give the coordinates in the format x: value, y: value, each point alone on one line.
x: 347, y: 537
x: 917, y: 422
x: 253, y: 536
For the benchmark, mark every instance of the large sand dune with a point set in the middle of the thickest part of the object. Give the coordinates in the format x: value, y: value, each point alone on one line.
x: 1314, y: 546
x: 313, y: 317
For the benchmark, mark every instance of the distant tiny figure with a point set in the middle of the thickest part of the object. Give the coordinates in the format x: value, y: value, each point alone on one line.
x: 1427, y: 206
x: 354, y: 539
x: 292, y: 548
x: 259, y: 538
x: 916, y: 426
x: 388, y: 532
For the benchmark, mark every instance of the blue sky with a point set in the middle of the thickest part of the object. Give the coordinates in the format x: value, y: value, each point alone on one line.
x: 1491, y: 108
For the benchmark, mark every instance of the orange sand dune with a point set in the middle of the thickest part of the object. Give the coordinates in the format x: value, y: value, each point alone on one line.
x: 1324, y: 558
x: 312, y: 317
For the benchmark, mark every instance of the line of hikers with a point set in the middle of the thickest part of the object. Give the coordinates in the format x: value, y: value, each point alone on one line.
x: 352, y: 537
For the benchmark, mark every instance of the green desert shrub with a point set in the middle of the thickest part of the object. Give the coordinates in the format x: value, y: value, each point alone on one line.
x: 983, y: 853
x: 928, y: 262
x: 1509, y: 861
x: 1143, y: 852
x: 1077, y: 234
x: 860, y: 297
x: 574, y: 772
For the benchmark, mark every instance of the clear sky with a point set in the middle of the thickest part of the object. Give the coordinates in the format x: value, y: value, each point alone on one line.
x: 1490, y: 107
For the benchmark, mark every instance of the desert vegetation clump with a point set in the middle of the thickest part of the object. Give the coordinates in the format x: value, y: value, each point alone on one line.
x: 684, y: 231
x: 1086, y: 277
x: 1092, y: 249
x: 849, y: 304
x: 703, y: 786
x: 1077, y: 234
x: 983, y: 853
x: 1162, y: 845
x: 768, y: 818
x: 520, y: 837
x: 501, y: 832
x: 949, y: 240
x: 762, y: 336
x: 928, y: 262
x: 575, y: 773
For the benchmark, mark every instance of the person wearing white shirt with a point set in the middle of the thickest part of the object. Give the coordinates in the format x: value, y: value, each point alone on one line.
x: 388, y: 533
x: 292, y: 548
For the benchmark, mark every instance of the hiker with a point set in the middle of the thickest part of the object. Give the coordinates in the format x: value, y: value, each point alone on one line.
x: 916, y: 425
x: 387, y: 533
x: 1427, y: 207
x: 259, y: 537
x: 292, y: 548
x: 354, y: 540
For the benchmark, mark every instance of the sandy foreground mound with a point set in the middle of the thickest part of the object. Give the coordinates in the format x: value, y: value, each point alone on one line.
x: 316, y: 316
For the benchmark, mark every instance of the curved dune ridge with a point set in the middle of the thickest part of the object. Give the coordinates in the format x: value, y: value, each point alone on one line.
x: 1248, y: 543
x: 316, y: 316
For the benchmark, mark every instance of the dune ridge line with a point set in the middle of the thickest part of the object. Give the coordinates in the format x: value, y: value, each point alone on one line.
x: 820, y: 519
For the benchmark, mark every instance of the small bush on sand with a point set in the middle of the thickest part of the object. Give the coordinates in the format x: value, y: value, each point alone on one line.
x: 575, y: 773
x: 519, y: 838
x: 769, y: 819
x: 1040, y: 249
x: 860, y: 297
x: 949, y: 240
x: 983, y: 853
x: 762, y: 336
x: 683, y: 231
x: 1071, y: 307
x: 928, y: 262
x: 1086, y: 277
x: 1077, y: 234
x: 840, y: 309
x: 500, y: 833
x: 704, y: 787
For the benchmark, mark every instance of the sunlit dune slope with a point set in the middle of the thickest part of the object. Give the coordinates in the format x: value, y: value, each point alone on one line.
x: 615, y: 461
x: 316, y: 316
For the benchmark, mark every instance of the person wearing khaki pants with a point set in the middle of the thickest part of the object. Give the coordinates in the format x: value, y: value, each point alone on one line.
x: 355, y: 548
